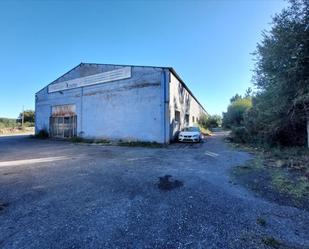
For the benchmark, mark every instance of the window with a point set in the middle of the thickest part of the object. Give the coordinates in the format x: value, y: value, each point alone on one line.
x: 177, y: 116
x: 193, y: 119
x: 187, y: 118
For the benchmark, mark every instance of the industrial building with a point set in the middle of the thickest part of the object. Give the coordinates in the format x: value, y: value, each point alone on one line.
x: 104, y: 101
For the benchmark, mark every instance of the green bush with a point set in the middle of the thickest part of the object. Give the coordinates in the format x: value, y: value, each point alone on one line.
x: 211, y: 121
x: 239, y: 135
x: 235, y: 111
x: 29, y: 124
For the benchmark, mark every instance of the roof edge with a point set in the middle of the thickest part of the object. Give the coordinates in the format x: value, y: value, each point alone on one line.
x: 171, y: 69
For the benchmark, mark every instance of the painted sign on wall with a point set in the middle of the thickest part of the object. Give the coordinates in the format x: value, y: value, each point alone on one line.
x: 118, y: 74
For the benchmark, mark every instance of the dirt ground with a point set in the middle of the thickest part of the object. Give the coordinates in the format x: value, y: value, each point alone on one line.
x: 56, y: 194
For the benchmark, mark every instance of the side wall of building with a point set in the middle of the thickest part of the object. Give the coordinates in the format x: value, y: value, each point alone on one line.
x: 128, y: 109
x: 184, y: 109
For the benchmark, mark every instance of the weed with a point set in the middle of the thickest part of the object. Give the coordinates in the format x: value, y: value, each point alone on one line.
x: 81, y: 140
x: 141, y: 144
x: 297, y: 188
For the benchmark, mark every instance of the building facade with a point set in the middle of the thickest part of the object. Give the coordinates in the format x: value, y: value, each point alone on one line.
x: 102, y: 101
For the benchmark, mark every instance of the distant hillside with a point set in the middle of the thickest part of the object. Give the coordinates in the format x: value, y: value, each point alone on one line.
x: 8, y: 123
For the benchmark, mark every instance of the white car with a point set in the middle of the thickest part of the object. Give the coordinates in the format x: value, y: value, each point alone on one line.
x: 190, y: 134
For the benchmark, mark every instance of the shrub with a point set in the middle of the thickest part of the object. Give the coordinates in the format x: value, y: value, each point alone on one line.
x: 240, y: 135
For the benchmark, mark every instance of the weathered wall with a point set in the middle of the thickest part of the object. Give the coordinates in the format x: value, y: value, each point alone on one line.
x: 129, y: 109
x: 182, y: 101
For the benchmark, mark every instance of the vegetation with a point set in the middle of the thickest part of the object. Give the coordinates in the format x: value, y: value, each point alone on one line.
x: 278, y: 174
x: 28, y: 117
x: 211, y: 121
x: 278, y: 113
x: 140, y: 144
x: 7, y: 123
x: 10, y: 125
x: 234, y: 117
x: 120, y: 143
x: 88, y: 140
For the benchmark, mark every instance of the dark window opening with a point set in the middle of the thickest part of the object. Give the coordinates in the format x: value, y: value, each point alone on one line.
x: 187, y: 118
x: 177, y: 116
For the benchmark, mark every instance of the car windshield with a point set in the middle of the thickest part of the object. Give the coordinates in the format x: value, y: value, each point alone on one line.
x: 191, y: 129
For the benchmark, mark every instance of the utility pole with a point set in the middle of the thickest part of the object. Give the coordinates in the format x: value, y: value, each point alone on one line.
x: 22, y: 119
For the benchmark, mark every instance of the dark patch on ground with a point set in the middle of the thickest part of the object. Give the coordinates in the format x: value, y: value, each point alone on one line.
x: 166, y: 184
x: 3, y: 205
x: 9, y: 173
x: 271, y: 242
x: 261, y: 221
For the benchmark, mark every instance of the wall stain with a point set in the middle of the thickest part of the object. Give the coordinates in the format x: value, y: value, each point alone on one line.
x: 120, y: 89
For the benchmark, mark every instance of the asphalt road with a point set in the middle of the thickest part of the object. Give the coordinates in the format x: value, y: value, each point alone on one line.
x: 55, y: 194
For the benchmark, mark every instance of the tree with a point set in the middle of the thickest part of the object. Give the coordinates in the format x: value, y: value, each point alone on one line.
x: 214, y: 121
x: 248, y: 92
x: 211, y: 121
x: 281, y: 106
x: 235, y: 98
x: 234, y: 117
x: 28, y: 116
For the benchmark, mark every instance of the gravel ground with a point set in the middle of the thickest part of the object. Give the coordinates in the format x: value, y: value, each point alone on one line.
x: 55, y: 194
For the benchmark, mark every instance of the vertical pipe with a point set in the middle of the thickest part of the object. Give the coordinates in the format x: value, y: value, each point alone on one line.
x: 81, y: 110
x: 164, y: 105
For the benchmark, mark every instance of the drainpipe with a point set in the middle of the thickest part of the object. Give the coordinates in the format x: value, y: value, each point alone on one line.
x: 81, y: 111
x: 166, y: 105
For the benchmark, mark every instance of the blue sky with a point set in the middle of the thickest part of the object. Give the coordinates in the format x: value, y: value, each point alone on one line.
x: 207, y: 42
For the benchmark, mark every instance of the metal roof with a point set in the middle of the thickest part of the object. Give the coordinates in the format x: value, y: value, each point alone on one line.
x: 171, y: 69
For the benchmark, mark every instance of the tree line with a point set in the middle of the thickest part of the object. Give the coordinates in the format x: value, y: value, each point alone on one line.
x: 27, y: 116
x: 277, y: 113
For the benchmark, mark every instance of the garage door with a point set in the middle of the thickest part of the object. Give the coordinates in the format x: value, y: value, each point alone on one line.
x: 63, y: 122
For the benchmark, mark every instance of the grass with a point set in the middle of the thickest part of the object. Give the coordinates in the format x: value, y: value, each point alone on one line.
x: 120, y: 143
x: 140, y: 144
x: 278, y: 174
x: 297, y: 188
x: 88, y: 141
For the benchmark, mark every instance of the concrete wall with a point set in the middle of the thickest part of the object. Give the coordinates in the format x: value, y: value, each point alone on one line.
x: 129, y: 109
x: 181, y: 100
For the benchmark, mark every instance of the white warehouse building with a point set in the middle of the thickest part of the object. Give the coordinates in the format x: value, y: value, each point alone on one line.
x: 103, y: 101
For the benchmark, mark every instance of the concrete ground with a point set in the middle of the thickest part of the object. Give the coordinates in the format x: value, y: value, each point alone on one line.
x: 56, y: 194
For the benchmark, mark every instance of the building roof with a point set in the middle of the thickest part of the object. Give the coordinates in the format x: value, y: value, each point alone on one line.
x: 171, y: 69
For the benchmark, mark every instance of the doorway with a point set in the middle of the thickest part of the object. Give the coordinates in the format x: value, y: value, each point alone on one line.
x: 63, y: 126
